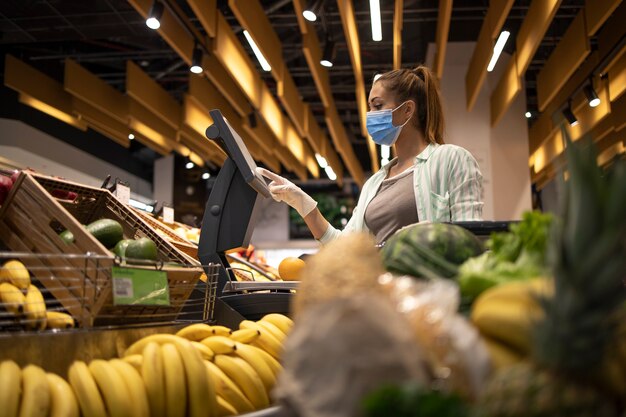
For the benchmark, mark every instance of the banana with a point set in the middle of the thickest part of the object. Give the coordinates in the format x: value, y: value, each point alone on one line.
x: 525, y: 292
x: 221, y: 330
x: 35, y: 308
x: 501, y: 355
x: 274, y: 365
x: 201, y: 391
x: 245, y: 335
x: 58, y: 320
x: 135, y: 387
x: 153, y: 378
x: 195, y: 332
x: 227, y: 389
x: 175, y: 382
x: 219, y: 344
x: 224, y: 408
x: 63, y: 402
x: 134, y: 360
x: 245, y: 377
x: 112, y: 387
x: 265, y: 341
x: 273, y: 330
x: 281, y: 321
x: 12, y: 298
x: 257, y: 362
x: 204, y: 350
x: 159, y: 339
x: 16, y: 273
x: 35, y: 393
x: 11, y: 383
x: 86, y: 390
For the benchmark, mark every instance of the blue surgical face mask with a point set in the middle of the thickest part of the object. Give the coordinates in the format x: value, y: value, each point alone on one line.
x: 380, y: 126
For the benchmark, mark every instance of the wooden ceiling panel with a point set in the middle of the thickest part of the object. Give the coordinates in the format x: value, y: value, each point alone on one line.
x: 597, y: 12
x: 505, y: 92
x: 535, y: 24
x: 206, y: 12
x: 441, y: 36
x: 397, y: 33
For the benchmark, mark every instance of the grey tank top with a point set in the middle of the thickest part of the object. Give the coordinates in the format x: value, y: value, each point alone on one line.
x: 393, y: 207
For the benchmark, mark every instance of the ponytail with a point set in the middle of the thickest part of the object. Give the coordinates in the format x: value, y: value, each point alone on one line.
x: 420, y: 85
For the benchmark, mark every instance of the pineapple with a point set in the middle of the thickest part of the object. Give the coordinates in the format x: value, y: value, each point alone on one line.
x: 569, y: 344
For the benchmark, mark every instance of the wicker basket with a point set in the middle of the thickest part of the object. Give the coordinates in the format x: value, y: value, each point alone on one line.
x: 181, y: 244
x: 30, y: 221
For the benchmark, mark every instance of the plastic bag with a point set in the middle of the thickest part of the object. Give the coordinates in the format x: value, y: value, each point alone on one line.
x: 452, y: 347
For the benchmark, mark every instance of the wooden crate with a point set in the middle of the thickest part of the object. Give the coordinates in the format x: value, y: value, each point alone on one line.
x: 30, y: 221
x: 181, y: 244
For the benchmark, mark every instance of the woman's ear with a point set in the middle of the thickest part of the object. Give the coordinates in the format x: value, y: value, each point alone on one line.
x: 410, y: 108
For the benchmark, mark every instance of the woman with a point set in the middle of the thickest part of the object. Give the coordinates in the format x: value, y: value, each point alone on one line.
x: 427, y: 181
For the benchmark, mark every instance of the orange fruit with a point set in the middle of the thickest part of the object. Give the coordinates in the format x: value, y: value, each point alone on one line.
x: 290, y: 269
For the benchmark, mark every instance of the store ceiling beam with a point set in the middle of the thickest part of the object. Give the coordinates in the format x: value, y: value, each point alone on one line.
x: 206, y: 12
x: 40, y: 91
x: 597, y: 12
x: 533, y: 28
x: 397, y: 33
x: 441, y: 35
x: 346, y: 9
x: 489, y: 31
x: 100, y: 121
x: 151, y: 95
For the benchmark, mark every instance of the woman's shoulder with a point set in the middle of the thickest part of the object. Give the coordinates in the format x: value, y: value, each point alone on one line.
x: 450, y: 149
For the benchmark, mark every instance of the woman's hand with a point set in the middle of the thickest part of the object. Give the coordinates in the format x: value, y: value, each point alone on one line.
x: 284, y: 190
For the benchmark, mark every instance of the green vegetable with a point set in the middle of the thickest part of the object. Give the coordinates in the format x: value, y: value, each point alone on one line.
x: 143, y: 248
x: 107, y: 231
x: 120, y: 247
x: 430, y: 250
x: 67, y: 236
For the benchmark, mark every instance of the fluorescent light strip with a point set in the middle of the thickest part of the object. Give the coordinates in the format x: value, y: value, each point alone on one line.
x: 257, y: 52
x: 385, y: 152
x: 377, y: 32
x: 330, y: 173
x: 384, y: 162
x: 140, y: 205
x: 321, y: 161
x: 497, y: 49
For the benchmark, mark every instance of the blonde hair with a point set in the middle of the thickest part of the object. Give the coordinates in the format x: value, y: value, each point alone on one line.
x: 420, y: 85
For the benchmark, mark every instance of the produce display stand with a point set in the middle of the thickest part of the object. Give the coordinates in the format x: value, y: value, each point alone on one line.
x: 181, y: 244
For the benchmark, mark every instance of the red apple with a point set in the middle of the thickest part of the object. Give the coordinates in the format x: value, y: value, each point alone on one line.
x: 5, y: 188
x: 14, y: 176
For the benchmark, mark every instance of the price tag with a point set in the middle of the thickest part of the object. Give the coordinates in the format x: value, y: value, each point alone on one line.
x: 140, y: 287
x: 122, y: 193
x: 168, y: 214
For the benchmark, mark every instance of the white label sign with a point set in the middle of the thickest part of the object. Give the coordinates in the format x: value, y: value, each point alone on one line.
x: 122, y: 193
x: 168, y: 214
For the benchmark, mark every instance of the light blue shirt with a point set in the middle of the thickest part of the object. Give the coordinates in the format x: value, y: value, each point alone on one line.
x: 448, y: 187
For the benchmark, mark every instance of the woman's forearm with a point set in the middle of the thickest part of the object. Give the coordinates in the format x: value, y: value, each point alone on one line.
x: 317, y: 223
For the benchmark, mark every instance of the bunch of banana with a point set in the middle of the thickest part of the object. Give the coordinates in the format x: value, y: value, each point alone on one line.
x: 32, y: 392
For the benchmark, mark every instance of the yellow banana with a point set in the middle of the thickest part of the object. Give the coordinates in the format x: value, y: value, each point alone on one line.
x: 159, y: 339
x: 58, y: 320
x: 11, y: 383
x: 221, y: 330
x: 257, y: 362
x: 153, y: 378
x: 246, y: 379
x: 224, y: 408
x: 135, y: 386
x: 501, y: 355
x: 219, y: 344
x: 227, y: 389
x: 525, y: 292
x: 274, y: 365
x: 112, y: 387
x: 12, y: 298
x: 86, y: 390
x: 265, y: 341
x: 63, y: 402
x: 281, y: 321
x: 16, y: 273
x: 245, y: 335
x: 175, y: 382
x: 273, y: 330
x: 200, y: 388
x: 196, y: 332
x: 134, y: 360
x: 35, y: 308
x: 35, y: 393
x: 204, y: 350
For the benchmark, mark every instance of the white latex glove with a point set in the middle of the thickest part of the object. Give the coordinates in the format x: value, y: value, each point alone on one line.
x: 284, y: 190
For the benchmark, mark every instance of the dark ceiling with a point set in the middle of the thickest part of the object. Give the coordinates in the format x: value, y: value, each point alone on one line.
x: 102, y: 34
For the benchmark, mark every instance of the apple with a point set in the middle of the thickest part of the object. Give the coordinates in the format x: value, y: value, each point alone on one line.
x: 5, y: 188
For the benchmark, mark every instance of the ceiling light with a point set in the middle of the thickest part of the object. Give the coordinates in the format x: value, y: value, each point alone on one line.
x: 131, y: 136
x: 206, y: 176
x: 154, y: 15
x: 385, y: 151
x: 189, y: 165
x: 309, y: 15
x: 330, y: 173
x: 377, y: 32
x: 257, y: 52
x: 321, y: 161
x: 592, y: 96
x: 497, y: 49
x: 196, y: 61
x: 329, y: 53
x: 312, y: 9
x: 528, y: 115
x: 569, y: 115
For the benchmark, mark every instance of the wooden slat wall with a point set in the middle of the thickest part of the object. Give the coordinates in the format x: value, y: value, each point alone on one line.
x: 441, y: 36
